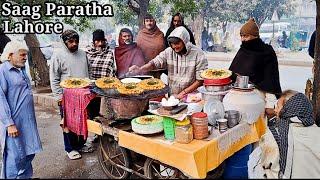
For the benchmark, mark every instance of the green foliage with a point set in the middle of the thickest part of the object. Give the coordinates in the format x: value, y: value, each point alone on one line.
x: 190, y: 8
x: 265, y: 8
x: 155, y: 8
x: 228, y: 10
x: 124, y: 15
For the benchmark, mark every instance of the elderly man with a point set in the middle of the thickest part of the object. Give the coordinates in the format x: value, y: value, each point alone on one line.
x: 69, y: 61
x: 258, y: 61
x: 100, y: 57
x: 184, y: 61
x: 19, y: 135
x: 127, y: 53
x: 151, y: 41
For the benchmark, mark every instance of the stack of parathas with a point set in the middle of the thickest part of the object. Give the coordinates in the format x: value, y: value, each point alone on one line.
x: 216, y: 74
x: 75, y: 83
x: 151, y: 84
x: 108, y: 83
x: 129, y: 88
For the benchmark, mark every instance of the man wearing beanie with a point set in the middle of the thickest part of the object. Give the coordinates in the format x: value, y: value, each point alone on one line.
x: 100, y: 56
x: 102, y: 64
x: 151, y: 40
x: 69, y: 61
x: 258, y: 61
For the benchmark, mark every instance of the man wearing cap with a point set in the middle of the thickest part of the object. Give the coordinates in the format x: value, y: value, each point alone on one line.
x: 100, y: 57
x: 151, y: 41
x: 19, y: 137
x: 184, y: 62
x: 102, y: 64
x: 258, y: 61
x: 69, y: 61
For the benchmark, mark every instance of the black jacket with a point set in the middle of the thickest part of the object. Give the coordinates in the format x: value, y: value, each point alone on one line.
x: 258, y: 61
x: 3, y: 41
x: 312, y: 44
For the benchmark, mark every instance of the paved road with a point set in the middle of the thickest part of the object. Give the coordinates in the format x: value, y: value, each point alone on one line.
x: 53, y: 162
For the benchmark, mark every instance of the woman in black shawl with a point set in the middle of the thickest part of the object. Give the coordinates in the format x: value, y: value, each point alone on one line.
x: 176, y: 21
x: 258, y: 61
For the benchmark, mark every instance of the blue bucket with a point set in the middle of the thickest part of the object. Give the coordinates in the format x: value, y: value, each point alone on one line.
x: 236, y: 165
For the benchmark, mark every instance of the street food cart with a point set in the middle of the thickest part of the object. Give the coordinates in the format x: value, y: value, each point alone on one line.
x: 123, y: 152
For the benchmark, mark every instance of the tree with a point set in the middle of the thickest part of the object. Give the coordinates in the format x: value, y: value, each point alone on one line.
x: 265, y: 8
x: 132, y: 12
x: 316, y: 77
x: 222, y: 12
x: 129, y: 8
x: 41, y: 71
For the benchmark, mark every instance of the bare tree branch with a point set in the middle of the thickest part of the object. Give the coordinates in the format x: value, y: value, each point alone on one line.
x: 135, y: 9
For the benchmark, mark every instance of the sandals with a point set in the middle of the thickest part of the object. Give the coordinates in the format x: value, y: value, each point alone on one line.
x: 74, y: 155
x: 86, y: 149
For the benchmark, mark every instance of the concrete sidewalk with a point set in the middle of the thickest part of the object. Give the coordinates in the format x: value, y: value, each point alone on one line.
x: 45, y: 99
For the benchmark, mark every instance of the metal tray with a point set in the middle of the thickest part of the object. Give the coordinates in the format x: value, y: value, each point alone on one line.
x: 113, y: 93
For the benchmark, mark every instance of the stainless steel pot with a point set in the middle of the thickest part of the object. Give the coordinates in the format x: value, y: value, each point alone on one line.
x: 234, y: 117
x: 211, y: 88
x: 206, y: 95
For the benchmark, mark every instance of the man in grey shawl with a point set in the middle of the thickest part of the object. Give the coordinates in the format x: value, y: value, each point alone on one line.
x: 69, y: 61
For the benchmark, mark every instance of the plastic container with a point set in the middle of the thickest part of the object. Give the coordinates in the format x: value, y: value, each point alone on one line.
x: 169, y: 128
x: 199, y: 123
x: 183, y: 131
x: 184, y: 134
x: 237, y: 164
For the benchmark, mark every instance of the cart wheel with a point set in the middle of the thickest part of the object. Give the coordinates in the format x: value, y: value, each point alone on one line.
x: 110, y: 155
x: 156, y: 170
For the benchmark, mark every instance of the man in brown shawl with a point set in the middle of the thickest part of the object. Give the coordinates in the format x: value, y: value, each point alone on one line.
x: 151, y: 41
x: 127, y: 53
